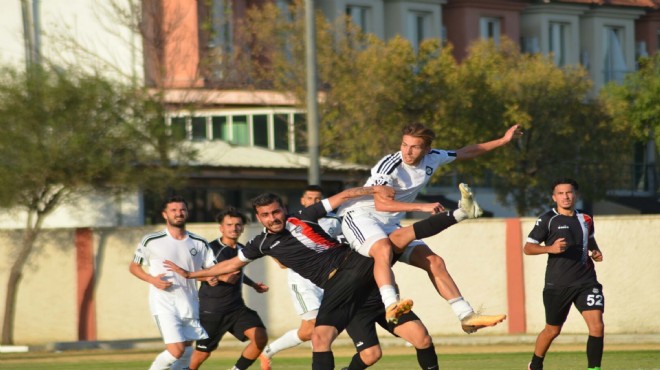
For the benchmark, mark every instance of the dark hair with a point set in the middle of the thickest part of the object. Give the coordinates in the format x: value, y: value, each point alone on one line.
x: 418, y: 130
x: 230, y: 212
x: 313, y: 188
x: 266, y: 199
x: 565, y: 180
x: 173, y: 199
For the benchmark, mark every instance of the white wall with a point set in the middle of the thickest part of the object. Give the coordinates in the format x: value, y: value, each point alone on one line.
x: 103, y: 43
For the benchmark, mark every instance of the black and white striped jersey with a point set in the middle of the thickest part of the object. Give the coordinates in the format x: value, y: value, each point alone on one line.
x: 407, y: 180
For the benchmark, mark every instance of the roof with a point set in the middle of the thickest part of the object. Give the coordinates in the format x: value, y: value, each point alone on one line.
x: 222, y: 154
x: 631, y: 3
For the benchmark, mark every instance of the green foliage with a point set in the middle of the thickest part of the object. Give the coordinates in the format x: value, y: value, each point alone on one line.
x: 371, y: 88
x: 634, y: 104
x: 65, y: 132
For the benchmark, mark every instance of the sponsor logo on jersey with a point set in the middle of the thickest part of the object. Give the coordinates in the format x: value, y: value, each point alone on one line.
x: 429, y: 170
x: 298, y: 229
x: 360, y: 343
x: 274, y: 244
x: 193, y: 251
x: 563, y: 227
x: 595, y: 290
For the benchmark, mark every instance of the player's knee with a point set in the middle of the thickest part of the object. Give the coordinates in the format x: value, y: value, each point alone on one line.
x: 597, y: 329
x: 381, y: 248
x: 305, y: 333
x: 436, y: 263
x: 371, y: 355
x: 422, y: 342
x: 552, y: 330
x: 260, y: 338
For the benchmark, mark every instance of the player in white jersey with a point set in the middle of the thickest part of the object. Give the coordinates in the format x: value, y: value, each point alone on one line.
x: 368, y: 222
x: 173, y: 300
x: 305, y: 295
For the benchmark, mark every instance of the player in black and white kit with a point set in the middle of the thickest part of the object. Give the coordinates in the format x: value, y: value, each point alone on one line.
x: 221, y: 305
x: 299, y: 243
x: 367, y: 222
x: 173, y: 300
x: 570, y: 277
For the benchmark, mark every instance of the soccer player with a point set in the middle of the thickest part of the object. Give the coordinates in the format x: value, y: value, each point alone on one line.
x: 305, y: 295
x: 172, y: 299
x: 221, y: 305
x: 570, y: 276
x: 367, y: 222
x: 299, y: 243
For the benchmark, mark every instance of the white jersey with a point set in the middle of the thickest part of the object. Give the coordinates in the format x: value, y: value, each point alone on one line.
x: 407, y: 180
x: 192, y: 253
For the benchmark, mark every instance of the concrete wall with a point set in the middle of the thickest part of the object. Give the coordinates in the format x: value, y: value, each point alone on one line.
x: 474, y: 251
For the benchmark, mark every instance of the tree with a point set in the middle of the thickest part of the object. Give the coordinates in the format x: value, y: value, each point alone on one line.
x: 68, y: 133
x: 371, y: 87
x: 567, y: 134
x: 634, y: 104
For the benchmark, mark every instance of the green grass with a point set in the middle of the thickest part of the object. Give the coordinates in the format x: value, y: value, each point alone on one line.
x: 132, y: 360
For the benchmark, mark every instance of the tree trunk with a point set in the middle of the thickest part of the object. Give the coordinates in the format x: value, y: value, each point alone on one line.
x: 15, y: 275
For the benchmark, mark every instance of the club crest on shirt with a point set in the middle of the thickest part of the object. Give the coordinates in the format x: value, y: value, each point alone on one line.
x: 193, y: 251
x: 298, y: 229
x: 429, y: 170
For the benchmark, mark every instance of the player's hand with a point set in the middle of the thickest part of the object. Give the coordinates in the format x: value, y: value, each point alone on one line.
x: 231, y: 277
x: 171, y: 266
x: 559, y: 246
x: 513, y: 132
x: 433, y: 208
x: 213, y: 281
x: 159, y: 283
x: 597, y: 255
x: 260, y: 287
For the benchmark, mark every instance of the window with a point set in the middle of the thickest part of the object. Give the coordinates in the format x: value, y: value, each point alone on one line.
x: 222, y: 27
x: 615, y: 62
x: 178, y: 128
x: 360, y: 16
x: 419, y: 27
x: 557, y: 42
x: 272, y: 129
x: 198, y: 128
x: 240, y: 130
x: 490, y: 28
x: 260, y: 130
x: 300, y: 123
x: 281, y: 131
x: 219, y: 128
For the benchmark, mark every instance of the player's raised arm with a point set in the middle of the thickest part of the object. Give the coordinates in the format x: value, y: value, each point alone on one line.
x: 223, y: 267
x: 475, y: 150
x: 389, y: 204
x: 339, y: 198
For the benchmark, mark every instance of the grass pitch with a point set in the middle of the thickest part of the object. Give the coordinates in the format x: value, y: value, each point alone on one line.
x: 394, y: 358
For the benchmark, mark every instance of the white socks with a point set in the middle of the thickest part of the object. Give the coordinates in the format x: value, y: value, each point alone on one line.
x: 460, y: 215
x: 388, y: 294
x: 461, y: 307
x: 288, y: 340
x: 183, y: 363
x: 163, y: 361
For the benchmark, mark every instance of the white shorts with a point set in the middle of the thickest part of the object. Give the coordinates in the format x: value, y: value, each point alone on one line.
x: 305, y: 295
x: 176, y: 330
x: 363, y: 229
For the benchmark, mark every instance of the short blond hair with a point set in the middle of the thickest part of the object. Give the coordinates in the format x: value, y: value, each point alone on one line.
x: 416, y: 129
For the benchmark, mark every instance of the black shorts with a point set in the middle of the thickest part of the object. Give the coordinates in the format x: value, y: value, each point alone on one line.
x: 236, y: 322
x: 362, y: 328
x: 558, y: 302
x: 347, y: 291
